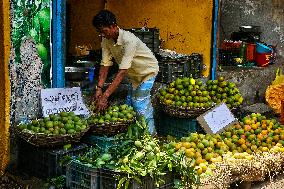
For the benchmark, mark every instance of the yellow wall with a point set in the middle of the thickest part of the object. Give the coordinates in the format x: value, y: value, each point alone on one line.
x: 4, y: 84
x: 185, y: 25
x: 82, y: 31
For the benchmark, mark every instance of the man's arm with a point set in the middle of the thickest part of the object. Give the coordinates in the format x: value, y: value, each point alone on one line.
x: 115, y: 83
x: 103, y: 99
x: 102, y: 78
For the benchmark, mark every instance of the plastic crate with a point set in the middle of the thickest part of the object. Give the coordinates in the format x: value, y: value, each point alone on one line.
x: 45, y: 163
x: 227, y: 57
x: 150, y: 36
x: 109, y: 180
x: 171, y: 69
x: 178, y: 127
x: 103, y: 142
x: 81, y: 176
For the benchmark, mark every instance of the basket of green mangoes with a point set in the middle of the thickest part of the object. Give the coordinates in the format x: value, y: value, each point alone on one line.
x: 187, y: 97
x: 56, y: 129
x: 115, y: 119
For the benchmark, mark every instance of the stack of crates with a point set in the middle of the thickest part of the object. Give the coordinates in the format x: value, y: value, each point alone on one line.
x: 172, y: 68
x: 150, y: 36
x: 45, y: 162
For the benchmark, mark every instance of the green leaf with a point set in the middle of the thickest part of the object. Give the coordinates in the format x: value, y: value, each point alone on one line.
x: 121, y: 181
x: 127, y: 184
x: 138, y: 180
x: 36, y: 23
x: 44, y: 19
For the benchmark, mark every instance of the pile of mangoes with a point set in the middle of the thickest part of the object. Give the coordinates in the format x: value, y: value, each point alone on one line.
x: 57, y: 124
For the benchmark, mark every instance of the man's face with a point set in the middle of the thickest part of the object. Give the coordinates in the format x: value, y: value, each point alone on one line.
x: 108, y: 32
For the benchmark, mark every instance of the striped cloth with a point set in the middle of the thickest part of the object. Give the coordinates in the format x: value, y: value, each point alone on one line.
x: 140, y: 99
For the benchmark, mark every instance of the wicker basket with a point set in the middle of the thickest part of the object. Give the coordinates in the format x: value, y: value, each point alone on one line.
x: 109, y: 128
x: 182, y: 112
x: 44, y: 140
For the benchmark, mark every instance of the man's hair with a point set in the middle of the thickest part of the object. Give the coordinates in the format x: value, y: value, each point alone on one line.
x: 104, y: 18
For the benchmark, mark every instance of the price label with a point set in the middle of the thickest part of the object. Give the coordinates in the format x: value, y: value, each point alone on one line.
x: 58, y: 100
x: 217, y: 119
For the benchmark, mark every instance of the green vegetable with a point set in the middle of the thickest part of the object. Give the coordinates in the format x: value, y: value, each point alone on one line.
x: 138, y: 144
x: 106, y: 157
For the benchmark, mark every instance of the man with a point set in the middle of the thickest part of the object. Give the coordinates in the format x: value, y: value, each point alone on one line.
x: 135, y: 60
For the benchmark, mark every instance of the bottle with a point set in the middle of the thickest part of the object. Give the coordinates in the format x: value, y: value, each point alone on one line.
x: 242, y: 54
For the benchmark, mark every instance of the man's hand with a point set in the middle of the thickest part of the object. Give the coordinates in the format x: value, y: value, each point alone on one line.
x: 102, y: 102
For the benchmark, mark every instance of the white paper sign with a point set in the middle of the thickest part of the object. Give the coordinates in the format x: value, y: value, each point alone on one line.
x: 217, y: 119
x: 56, y: 100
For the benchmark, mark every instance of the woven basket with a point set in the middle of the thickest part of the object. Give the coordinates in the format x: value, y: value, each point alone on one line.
x: 110, y: 128
x: 44, y: 140
x: 183, y: 112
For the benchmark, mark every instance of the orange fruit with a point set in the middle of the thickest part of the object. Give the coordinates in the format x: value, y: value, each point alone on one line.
x: 263, y: 126
x: 254, y: 126
x: 244, y: 147
x: 189, y: 153
x: 178, y: 146
x: 241, y: 141
x: 186, y: 145
x: 264, y: 132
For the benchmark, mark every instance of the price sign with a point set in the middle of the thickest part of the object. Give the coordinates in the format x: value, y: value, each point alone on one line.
x: 58, y: 100
x: 217, y: 119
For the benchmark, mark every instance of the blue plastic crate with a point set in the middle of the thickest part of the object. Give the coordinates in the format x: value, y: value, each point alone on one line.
x: 81, y: 176
x: 177, y: 127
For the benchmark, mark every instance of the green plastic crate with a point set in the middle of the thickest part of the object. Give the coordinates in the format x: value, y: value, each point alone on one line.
x: 177, y: 127
x: 82, y: 176
x: 109, y: 180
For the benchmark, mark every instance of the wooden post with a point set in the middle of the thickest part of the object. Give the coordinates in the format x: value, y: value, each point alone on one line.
x: 4, y: 84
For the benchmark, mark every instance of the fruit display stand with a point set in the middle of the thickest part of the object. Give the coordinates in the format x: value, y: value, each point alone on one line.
x: 248, y: 151
x: 45, y: 162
